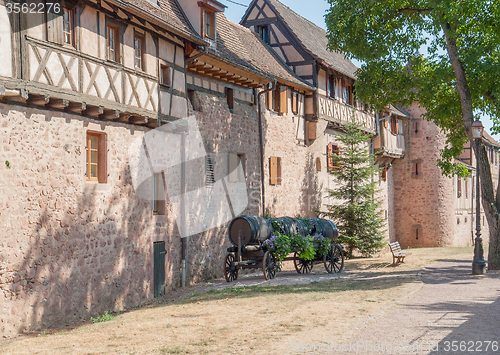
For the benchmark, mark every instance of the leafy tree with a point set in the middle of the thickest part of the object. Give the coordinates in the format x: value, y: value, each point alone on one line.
x: 457, y: 77
x: 357, y: 211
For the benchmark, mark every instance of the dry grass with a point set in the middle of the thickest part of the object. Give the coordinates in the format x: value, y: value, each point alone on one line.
x: 250, y: 320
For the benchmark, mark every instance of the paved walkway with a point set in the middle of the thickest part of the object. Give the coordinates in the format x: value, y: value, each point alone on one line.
x: 453, y: 313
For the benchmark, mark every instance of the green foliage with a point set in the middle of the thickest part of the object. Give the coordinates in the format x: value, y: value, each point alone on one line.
x: 356, y: 212
x: 7, y: 164
x: 388, y: 36
x: 103, y: 318
x: 279, y: 244
x: 277, y: 225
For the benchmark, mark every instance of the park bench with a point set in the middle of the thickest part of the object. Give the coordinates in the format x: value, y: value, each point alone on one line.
x: 397, y: 254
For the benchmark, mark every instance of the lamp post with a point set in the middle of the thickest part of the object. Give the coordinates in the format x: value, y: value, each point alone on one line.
x: 478, y: 264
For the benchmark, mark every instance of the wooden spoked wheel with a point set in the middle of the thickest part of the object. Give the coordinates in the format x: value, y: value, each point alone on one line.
x: 302, y: 266
x: 334, y: 260
x: 269, y: 266
x: 230, y: 269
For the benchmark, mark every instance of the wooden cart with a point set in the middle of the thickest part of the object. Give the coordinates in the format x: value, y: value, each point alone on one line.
x: 247, y: 234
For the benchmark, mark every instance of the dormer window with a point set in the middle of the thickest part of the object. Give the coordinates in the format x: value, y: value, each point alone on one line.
x: 208, y: 10
x: 264, y: 33
x: 209, y: 24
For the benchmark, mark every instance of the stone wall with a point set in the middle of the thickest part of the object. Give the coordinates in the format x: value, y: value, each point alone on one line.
x: 427, y: 209
x: 71, y: 249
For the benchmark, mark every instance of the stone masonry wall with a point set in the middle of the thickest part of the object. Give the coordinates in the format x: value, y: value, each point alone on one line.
x: 71, y: 249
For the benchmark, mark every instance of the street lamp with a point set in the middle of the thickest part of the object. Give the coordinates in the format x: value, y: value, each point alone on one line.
x: 478, y: 264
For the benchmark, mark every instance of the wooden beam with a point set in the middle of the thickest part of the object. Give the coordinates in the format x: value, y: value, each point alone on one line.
x: 94, y: 111
x: 39, y: 100
x: 111, y: 115
x: 60, y: 104
x: 76, y: 107
x: 138, y: 119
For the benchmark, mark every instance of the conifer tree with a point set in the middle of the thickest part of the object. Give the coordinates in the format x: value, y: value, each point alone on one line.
x: 356, y: 211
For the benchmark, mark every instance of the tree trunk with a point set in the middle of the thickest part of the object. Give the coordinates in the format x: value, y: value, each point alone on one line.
x: 490, y: 206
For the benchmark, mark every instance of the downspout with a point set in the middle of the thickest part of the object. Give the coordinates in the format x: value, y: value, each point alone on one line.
x: 184, y: 238
x: 261, y: 139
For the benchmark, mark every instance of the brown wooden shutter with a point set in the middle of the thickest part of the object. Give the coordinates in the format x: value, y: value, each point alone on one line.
x: 283, y: 100
x: 311, y: 134
x: 329, y: 152
x: 54, y: 26
x: 102, y: 170
x: 295, y: 105
x: 278, y: 171
x: 273, y: 170
x: 230, y: 98
x: 269, y: 100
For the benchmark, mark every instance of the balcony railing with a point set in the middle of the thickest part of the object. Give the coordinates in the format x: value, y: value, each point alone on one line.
x: 338, y: 112
x: 392, y: 144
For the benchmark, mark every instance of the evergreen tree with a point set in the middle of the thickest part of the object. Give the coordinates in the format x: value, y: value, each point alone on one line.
x: 356, y: 211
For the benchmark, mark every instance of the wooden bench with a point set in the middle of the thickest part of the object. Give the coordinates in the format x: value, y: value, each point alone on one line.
x: 397, y: 254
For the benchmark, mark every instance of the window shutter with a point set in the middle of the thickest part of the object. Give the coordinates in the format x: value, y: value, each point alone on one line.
x: 329, y: 153
x: 269, y: 100
x: 295, y: 106
x: 230, y: 98
x: 283, y: 101
x: 233, y: 164
x: 273, y: 170
x: 209, y: 171
x: 54, y: 27
x: 102, y: 172
x: 312, y: 130
x: 278, y: 171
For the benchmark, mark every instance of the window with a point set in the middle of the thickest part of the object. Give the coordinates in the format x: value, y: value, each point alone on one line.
x: 295, y: 102
x: 264, y: 33
x: 230, y: 98
x: 209, y: 24
x: 95, y: 167
x: 158, y: 194
x: 466, y: 187
x: 192, y: 99
x: 318, y: 164
x: 459, y: 187
x: 394, y: 125
x: 237, y: 174
x: 165, y: 77
x: 416, y: 170
x: 139, y: 51
x: 209, y: 171
x: 417, y: 231
x: 383, y: 174
x: 347, y: 94
x: 275, y: 170
x: 331, y: 151
x: 113, y: 43
x: 68, y: 26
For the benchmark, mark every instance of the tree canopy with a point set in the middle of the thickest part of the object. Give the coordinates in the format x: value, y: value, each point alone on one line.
x: 391, y: 38
x: 457, y: 78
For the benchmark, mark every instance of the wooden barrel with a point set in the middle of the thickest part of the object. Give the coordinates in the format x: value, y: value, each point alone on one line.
x: 325, y: 227
x: 252, y: 229
x: 293, y: 226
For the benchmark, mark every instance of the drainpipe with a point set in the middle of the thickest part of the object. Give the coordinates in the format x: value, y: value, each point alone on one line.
x: 184, y: 239
x: 261, y: 139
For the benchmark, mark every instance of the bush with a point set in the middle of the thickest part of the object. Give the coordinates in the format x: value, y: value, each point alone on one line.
x: 104, y: 318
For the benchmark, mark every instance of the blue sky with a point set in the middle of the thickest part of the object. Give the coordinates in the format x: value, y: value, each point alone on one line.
x: 314, y: 11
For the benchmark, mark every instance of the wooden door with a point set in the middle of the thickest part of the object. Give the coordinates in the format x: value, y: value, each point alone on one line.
x: 159, y: 268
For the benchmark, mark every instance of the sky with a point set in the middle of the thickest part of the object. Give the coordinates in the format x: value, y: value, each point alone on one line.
x: 314, y: 11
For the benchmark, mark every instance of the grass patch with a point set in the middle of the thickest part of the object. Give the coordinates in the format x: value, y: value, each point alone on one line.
x: 324, y: 287
x: 174, y: 350
x: 103, y: 318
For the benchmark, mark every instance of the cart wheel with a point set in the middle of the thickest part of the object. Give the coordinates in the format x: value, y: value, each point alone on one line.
x: 302, y: 266
x: 334, y: 260
x: 230, y: 270
x: 269, y: 266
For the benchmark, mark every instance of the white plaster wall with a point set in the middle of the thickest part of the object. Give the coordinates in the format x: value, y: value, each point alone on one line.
x: 5, y: 43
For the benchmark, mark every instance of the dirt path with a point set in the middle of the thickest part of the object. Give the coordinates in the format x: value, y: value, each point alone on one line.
x: 369, y: 304
x: 454, y: 313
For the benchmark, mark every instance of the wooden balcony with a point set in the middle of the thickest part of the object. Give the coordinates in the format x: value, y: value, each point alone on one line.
x: 63, y: 78
x: 389, y: 144
x: 335, y: 111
